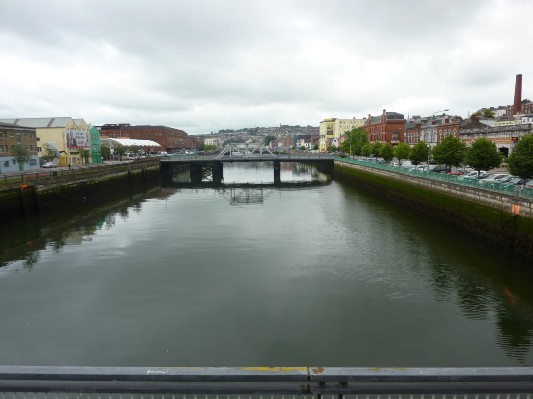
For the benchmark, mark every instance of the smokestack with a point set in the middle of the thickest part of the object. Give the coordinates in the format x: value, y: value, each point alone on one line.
x: 517, y: 106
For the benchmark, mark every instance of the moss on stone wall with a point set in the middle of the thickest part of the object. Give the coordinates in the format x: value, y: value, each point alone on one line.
x: 19, y: 203
x: 496, y: 227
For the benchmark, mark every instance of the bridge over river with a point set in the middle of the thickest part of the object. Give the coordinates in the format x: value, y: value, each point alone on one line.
x: 212, y: 166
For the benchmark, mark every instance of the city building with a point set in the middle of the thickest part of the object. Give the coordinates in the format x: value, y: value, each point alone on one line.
x: 432, y: 129
x: 172, y: 140
x: 215, y: 141
x: 12, y: 135
x: 68, y: 137
x: 504, y: 135
x: 389, y: 127
x: 331, y: 130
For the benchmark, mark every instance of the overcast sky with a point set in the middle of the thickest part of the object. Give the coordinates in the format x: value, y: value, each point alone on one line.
x: 206, y: 65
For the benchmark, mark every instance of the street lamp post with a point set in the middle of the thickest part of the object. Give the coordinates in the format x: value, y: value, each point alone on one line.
x: 430, y: 130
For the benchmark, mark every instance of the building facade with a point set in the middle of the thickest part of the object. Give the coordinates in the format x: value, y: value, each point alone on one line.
x: 387, y: 128
x: 431, y: 130
x: 504, y: 135
x: 172, y: 140
x: 12, y: 135
x: 68, y: 137
x: 331, y: 129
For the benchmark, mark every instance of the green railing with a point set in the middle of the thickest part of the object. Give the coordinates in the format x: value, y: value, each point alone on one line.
x: 502, y: 188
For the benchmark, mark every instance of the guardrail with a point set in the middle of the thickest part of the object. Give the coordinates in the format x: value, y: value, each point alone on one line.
x: 516, y: 190
x: 254, y: 382
x: 63, y: 176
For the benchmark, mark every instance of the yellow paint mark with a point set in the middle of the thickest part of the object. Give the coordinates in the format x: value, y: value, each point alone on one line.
x: 274, y: 369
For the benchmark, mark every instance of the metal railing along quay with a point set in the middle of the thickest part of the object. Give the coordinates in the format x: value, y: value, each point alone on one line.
x: 514, y: 190
x: 65, y: 176
x: 20, y: 382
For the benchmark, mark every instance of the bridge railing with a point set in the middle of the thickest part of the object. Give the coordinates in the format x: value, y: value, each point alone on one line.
x: 256, y: 382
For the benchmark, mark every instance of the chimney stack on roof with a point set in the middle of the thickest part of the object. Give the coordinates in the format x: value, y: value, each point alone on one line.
x: 517, y: 106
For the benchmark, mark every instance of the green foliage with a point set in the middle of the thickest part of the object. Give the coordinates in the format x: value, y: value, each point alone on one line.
x: 106, y: 152
x: 120, y: 151
x: 387, y: 152
x: 269, y: 138
x: 21, y: 156
x: 376, y: 148
x: 419, y: 153
x: 449, y: 152
x: 355, y: 139
x: 483, y: 155
x: 521, y: 159
x: 402, y: 151
x: 134, y: 148
x: 488, y: 113
x: 315, y: 147
x: 85, y: 155
x: 48, y: 153
x: 366, y: 150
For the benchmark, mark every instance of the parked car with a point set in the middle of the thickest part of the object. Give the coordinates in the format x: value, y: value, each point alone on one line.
x: 494, y: 178
x: 474, y: 175
x: 440, y: 168
x: 49, y: 165
x: 514, y: 181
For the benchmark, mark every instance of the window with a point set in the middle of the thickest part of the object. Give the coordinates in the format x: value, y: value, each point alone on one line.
x: 33, y: 161
x: 6, y: 164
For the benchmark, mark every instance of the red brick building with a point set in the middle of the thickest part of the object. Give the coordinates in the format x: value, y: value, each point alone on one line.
x: 172, y: 140
x: 386, y: 128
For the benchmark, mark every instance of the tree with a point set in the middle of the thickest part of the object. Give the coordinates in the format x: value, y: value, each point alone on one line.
x: 376, y: 148
x: 106, y: 152
x: 49, y: 153
x: 488, y: 113
x: 387, y: 152
x: 521, y: 159
x: 402, y: 151
x: 85, y: 154
x: 355, y: 139
x: 366, y: 150
x: 21, y: 156
x: 315, y: 147
x: 483, y: 155
x: 134, y: 149
x: 268, y: 139
x: 419, y: 153
x: 449, y: 152
x: 120, y: 150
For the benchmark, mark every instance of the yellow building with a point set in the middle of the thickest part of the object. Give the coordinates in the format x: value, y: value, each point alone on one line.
x: 333, y: 128
x: 66, y: 136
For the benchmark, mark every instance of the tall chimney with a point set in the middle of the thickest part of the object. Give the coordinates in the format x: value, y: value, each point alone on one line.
x: 517, y: 106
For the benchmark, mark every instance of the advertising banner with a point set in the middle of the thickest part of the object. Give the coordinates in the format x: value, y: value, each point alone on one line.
x: 78, y: 139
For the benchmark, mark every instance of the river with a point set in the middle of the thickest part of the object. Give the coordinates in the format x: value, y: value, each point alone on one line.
x: 310, y: 275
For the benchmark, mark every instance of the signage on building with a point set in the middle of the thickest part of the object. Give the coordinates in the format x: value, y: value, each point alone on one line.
x: 515, y: 138
x: 78, y: 139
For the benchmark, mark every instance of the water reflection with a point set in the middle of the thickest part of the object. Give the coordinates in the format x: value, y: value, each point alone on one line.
x: 365, y: 282
x: 484, y: 283
x: 24, y: 240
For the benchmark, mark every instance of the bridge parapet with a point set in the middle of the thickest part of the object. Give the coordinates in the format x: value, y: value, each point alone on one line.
x: 310, y: 382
